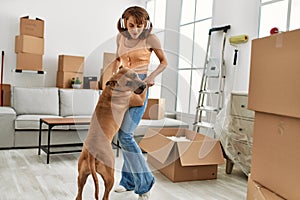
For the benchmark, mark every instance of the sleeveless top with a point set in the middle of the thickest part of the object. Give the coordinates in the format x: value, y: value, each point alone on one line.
x: 136, y: 57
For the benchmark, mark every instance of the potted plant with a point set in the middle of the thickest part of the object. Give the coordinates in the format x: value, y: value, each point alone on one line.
x: 76, y: 83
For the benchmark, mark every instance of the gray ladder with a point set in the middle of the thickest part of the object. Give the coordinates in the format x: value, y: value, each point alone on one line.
x: 211, y: 96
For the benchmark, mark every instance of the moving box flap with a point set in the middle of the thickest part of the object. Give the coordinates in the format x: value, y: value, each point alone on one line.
x: 27, y: 17
x: 194, y: 136
x: 259, y: 192
x: 179, y: 132
x: 206, y: 152
x: 170, y: 131
x: 156, y: 145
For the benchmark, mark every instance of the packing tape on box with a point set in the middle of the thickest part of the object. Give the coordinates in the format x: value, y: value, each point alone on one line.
x: 238, y: 39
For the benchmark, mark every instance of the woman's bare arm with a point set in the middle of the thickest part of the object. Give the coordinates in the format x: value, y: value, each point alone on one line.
x: 155, y: 45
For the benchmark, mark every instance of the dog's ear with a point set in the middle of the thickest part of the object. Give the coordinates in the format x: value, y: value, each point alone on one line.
x: 111, y: 83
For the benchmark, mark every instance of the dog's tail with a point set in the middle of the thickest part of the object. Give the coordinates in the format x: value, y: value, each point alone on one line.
x: 92, y: 166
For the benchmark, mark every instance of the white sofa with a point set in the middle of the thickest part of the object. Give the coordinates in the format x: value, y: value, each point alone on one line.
x: 19, y: 124
x: 21, y: 121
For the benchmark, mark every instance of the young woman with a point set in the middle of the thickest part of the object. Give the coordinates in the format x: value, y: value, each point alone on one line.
x: 135, y: 44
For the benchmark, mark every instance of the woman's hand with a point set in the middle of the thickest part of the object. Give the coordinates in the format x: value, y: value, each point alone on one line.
x: 149, y: 81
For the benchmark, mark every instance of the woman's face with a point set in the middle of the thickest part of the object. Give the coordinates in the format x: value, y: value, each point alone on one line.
x: 134, y: 29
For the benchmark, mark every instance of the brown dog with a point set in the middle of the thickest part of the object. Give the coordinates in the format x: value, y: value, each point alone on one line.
x: 97, y: 154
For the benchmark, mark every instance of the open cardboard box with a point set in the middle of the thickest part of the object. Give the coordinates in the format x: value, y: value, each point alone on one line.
x: 195, y: 159
x: 33, y: 27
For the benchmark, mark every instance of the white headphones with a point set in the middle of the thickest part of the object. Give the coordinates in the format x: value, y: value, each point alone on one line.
x: 122, y: 23
x: 148, y: 25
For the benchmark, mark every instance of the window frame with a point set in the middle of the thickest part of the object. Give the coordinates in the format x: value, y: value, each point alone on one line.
x: 193, y: 68
x: 289, y: 15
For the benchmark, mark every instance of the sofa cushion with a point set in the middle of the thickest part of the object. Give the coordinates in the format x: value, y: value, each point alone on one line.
x: 32, y: 122
x: 40, y: 101
x: 7, y: 118
x: 78, y: 102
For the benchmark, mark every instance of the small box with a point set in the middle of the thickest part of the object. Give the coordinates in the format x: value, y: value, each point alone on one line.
x: 29, y: 61
x: 68, y: 63
x: 29, y: 44
x: 155, y: 109
x: 109, y: 62
x: 6, y: 93
x: 192, y: 157
x: 275, y: 160
x: 274, y: 74
x: 256, y: 191
x: 33, y: 27
x: 90, y: 82
x: 63, y: 79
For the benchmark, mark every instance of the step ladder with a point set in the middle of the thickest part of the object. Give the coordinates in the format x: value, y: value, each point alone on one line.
x: 211, y: 93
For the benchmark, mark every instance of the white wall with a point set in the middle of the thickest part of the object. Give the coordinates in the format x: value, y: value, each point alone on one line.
x: 72, y: 27
x: 243, y: 16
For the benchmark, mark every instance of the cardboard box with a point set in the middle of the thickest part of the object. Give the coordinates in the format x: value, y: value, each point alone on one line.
x: 29, y: 44
x: 256, y: 191
x: 6, y: 94
x: 275, y: 160
x: 33, y: 27
x: 29, y: 61
x: 196, y: 159
x: 68, y: 63
x: 155, y: 109
x: 106, y: 71
x: 63, y: 79
x: 274, y: 74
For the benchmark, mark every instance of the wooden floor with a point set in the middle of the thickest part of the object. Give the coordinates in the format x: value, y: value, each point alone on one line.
x: 25, y: 175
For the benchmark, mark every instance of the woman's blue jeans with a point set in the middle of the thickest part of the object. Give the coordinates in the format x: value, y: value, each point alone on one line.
x: 136, y: 174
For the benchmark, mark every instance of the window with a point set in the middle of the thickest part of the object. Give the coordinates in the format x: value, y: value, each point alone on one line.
x: 196, y: 18
x: 282, y: 14
x: 157, y: 13
x: 295, y: 15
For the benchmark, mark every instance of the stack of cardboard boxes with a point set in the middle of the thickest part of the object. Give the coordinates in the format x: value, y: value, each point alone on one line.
x: 274, y: 95
x: 69, y: 67
x: 29, y: 45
